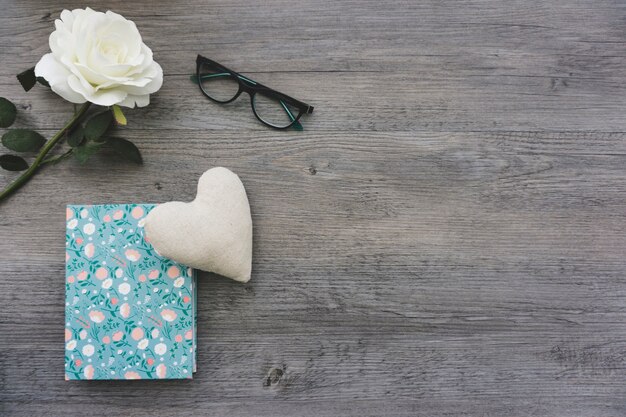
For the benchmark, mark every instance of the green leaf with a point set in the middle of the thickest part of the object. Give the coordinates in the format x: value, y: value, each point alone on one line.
x: 76, y: 136
x: 8, y: 112
x: 13, y: 163
x: 126, y: 149
x: 42, y: 81
x: 120, y: 119
x: 27, y: 78
x: 23, y: 140
x: 98, y: 125
x: 84, y: 151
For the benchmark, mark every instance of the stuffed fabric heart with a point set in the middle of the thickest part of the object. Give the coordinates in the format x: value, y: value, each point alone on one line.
x: 212, y: 233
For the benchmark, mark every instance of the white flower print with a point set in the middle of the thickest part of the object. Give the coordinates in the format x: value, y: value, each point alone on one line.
x: 143, y: 343
x: 88, y: 350
x: 89, y: 228
x: 124, y: 288
x: 160, y: 349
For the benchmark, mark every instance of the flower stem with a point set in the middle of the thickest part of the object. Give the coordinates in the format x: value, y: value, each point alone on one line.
x: 28, y: 174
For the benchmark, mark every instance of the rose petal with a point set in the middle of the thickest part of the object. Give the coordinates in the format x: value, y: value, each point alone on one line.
x: 57, y: 76
x: 135, y: 101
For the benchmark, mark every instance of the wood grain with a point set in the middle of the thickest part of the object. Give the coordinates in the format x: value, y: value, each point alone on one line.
x: 446, y: 237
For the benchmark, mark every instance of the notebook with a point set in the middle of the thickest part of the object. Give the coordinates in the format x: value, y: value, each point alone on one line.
x: 129, y: 313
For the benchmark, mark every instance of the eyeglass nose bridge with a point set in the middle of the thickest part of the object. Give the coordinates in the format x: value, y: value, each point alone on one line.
x: 244, y: 88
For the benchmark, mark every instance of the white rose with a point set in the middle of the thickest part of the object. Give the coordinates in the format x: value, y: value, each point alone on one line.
x: 100, y: 58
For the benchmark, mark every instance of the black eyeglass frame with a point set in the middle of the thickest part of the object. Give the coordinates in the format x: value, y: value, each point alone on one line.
x: 252, y: 87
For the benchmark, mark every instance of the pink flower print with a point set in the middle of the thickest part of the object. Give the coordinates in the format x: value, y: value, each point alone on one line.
x: 89, y: 250
x: 168, y: 315
x: 78, y: 362
x: 83, y: 334
x: 96, y: 316
x: 102, y: 273
x: 150, y: 361
x: 117, y: 336
x: 186, y: 299
x: 132, y: 255
x: 178, y: 338
x: 88, y: 371
x: 125, y: 310
x: 154, y: 274
x: 69, y: 213
x: 131, y: 375
x: 137, y: 333
x: 113, y: 300
x: 106, y: 340
x: 137, y: 212
x: 67, y: 256
x: 79, y: 240
x: 82, y: 275
x: 106, y: 218
x: 188, y: 335
x: 118, y: 215
x: 173, y: 272
x: 70, y: 279
x: 161, y: 370
x: 68, y: 334
x: 142, y: 278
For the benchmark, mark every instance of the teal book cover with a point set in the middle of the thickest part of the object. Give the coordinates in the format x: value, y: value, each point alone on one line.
x: 129, y: 313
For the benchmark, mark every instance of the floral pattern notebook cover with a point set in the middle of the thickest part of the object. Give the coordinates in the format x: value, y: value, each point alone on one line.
x: 129, y: 313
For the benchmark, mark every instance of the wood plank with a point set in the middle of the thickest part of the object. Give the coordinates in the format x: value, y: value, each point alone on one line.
x: 446, y: 237
x: 348, y: 102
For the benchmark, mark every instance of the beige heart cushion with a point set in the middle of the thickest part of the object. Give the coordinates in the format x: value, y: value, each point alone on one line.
x: 212, y: 233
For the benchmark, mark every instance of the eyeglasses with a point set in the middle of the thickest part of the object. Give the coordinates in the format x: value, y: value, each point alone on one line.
x: 271, y: 107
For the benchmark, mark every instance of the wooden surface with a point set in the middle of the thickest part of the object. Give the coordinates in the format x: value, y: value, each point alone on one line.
x: 446, y: 237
